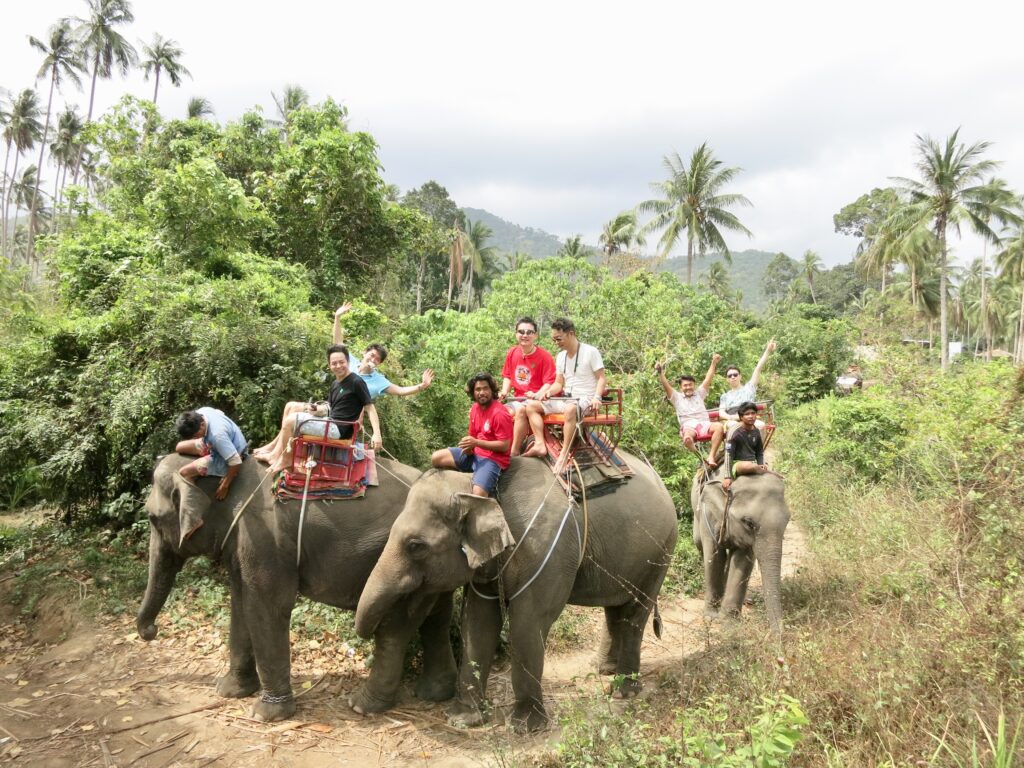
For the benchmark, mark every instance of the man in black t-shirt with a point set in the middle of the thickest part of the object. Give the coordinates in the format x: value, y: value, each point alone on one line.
x: 744, y: 450
x: 348, y: 399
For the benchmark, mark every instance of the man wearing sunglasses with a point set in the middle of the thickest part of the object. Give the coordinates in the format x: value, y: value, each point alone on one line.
x: 738, y: 392
x: 529, y: 372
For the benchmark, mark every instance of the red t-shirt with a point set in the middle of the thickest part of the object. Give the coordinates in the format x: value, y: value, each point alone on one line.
x: 492, y: 423
x: 528, y: 373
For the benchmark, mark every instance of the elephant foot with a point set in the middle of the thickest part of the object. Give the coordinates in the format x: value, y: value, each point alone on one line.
x: 270, y: 708
x: 436, y: 688
x: 711, y: 614
x: 364, y: 702
x: 462, y: 715
x: 607, y: 666
x: 234, y: 686
x: 627, y: 687
x: 529, y: 717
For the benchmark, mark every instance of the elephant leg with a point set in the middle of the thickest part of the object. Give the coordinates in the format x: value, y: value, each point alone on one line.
x: 438, y: 680
x: 714, y: 578
x: 528, y: 632
x: 608, y: 653
x: 241, y: 679
x: 741, y: 562
x: 268, y: 615
x: 626, y: 625
x: 481, y: 628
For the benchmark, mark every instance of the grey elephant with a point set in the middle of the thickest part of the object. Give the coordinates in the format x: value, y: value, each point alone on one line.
x: 757, y: 522
x: 341, y: 542
x: 614, y: 555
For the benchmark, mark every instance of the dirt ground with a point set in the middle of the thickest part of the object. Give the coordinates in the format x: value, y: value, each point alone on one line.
x: 95, y: 695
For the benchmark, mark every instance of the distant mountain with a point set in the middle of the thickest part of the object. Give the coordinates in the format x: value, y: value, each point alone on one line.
x: 744, y: 274
x: 509, y: 237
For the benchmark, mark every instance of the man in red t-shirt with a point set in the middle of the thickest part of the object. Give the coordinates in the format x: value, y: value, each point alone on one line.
x: 485, y: 450
x: 529, y: 372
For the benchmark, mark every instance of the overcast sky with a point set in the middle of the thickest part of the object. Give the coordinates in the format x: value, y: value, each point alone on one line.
x: 557, y: 115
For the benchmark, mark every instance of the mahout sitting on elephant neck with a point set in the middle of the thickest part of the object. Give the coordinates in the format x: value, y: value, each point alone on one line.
x: 631, y: 539
x: 338, y: 555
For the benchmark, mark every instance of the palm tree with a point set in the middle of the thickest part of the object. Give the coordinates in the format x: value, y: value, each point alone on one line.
x: 456, y: 257
x: 65, y: 147
x: 574, y: 248
x: 199, y: 108
x: 952, y: 190
x: 692, y: 202
x: 61, y: 59
x: 293, y: 97
x: 514, y: 260
x: 20, y: 194
x: 22, y: 131
x: 717, y: 278
x: 105, y: 46
x: 162, y: 55
x: 809, y: 267
x: 620, y: 234
x: 1011, y: 268
x: 478, y: 256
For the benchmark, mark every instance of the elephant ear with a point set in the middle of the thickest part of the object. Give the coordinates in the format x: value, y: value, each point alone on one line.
x: 485, y: 534
x: 192, y: 503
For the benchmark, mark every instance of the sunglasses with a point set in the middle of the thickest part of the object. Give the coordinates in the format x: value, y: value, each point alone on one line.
x: 526, y: 333
x: 732, y: 375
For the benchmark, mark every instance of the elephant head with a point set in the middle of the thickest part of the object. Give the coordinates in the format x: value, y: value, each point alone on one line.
x: 443, y: 535
x: 181, y: 526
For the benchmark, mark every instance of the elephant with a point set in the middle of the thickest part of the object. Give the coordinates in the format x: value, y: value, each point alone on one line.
x: 613, y: 552
x: 341, y: 542
x: 757, y: 522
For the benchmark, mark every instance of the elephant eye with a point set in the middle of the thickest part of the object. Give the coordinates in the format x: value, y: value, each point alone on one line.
x: 416, y: 547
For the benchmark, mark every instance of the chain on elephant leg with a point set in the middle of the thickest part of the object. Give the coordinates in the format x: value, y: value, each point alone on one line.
x: 271, y: 706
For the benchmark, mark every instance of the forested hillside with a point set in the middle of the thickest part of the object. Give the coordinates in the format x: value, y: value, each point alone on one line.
x: 507, y: 237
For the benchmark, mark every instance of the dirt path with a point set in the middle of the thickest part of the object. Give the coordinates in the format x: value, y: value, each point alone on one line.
x: 102, y: 697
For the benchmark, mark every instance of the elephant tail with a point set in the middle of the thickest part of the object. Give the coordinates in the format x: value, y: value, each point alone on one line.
x: 657, y: 620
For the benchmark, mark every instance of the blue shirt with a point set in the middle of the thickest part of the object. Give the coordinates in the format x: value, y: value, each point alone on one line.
x: 376, y: 382
x: 734, y: 398
x: 222, y: 434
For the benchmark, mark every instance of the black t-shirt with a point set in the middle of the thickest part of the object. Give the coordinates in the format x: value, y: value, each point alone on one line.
x: 347, y: 399
x: 746, y: 446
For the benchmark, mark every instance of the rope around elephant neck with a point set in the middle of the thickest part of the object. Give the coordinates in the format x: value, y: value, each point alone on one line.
x: 529, y: 525
x: 241, y: 509
x: 381, y: 466
x: 547, y: 557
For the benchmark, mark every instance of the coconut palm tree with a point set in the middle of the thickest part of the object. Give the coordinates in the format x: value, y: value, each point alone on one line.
x: 20, y: 195
x: 22, y: 131
x: 293, y: 97
x: 692, y: 202
x: 620, y: 234
x: 456, y: 258
x: 199, y: 108
x: 62, y: 60
x: 809, y: 268
x: 1011, y: 269
x: 717, y: 279
x: 104, y: 47
x: 163, y: 55
x: 574, y: 248
x: 478, y: 256
x: 64, y: 148
x: 955, y: 187
x: 514, y: 260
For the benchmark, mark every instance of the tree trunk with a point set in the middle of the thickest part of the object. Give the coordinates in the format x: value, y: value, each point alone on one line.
x: 10, y: 194
x: 3, y: 204
x: 39, y: 170
x: 88, y: 119
x: 156, y: 85
x: 689, y: 261
x: 420, y: 277
x: 1019, y: 358
x: 943, y: 321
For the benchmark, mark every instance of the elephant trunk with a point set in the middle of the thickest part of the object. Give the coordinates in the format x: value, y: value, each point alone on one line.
x: 769, y: 559
x: 164, y: 565
x: 388, y: 583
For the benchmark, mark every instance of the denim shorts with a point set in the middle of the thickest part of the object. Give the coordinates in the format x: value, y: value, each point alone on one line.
x: 485, y: 471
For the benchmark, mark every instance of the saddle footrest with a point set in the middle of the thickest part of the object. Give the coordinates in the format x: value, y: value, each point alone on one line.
x: 600, y: 420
